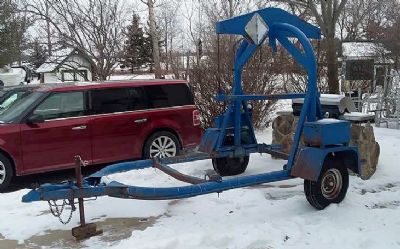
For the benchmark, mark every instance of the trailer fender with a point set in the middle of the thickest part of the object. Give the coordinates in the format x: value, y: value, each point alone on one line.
x: 310, y: 161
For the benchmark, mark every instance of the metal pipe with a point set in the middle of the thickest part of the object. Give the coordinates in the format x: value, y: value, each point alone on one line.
x: 78, y: 175
x: 119, y: 190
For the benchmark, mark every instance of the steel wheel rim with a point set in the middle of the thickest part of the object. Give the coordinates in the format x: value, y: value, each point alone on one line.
x: 163, y: 147
x: 2, y: 173
x: 331, y: 184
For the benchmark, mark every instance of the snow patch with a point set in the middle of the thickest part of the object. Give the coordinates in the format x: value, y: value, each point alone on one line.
x: 274, y: 215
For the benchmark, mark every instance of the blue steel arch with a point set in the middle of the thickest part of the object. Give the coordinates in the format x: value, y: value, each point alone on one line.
x: 281, y: 27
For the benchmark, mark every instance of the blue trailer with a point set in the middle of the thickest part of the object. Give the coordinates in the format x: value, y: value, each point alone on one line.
x: 322, y: 160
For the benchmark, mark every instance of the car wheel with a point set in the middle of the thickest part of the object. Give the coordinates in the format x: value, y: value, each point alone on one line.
x: 331, y: 186
x: 161, y: 144
x: 6, y: 172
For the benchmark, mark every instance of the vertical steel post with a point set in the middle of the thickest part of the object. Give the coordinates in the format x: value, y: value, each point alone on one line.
x: 78, y: 175
x: 84, y: 231
x: 243, y: 54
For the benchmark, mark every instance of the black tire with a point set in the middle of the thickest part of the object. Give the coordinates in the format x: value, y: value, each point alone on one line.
x: 161, y: 136
x: 331, y: 186
x: 227, y: 166
x: 231, y: 166
x: 6, y: 173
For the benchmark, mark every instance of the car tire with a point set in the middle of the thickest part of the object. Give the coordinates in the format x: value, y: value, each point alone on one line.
x: 161, y: 144
x: 331, y: 186
x: 6, y: 173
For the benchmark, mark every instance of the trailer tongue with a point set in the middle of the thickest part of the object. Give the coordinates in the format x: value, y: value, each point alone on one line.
x: 322, y: 162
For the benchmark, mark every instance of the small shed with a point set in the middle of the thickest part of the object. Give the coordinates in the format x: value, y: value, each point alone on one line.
x: 65, y: 65
x: 365, y: 63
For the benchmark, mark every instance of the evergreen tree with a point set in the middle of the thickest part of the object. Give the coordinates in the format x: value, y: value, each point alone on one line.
x: 12, y: 32
x: 38, y: 54
x: 137, y: 46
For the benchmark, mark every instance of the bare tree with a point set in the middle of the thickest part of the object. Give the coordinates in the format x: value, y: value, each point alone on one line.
x: 384, y: 26
x: 155, y: 38
x: 326, y: 14
x: 170, y: 27
x: 48, y: 28
x: 354, y: 17
x: 258, y: 78
x: 215, y: 67
x: 94, y: 28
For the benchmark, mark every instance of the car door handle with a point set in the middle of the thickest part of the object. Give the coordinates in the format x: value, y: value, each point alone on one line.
x: 141, y: 121
x: 76, y: 128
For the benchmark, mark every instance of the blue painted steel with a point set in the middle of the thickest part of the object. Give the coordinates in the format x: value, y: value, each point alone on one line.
x: 218, y: 121
x: 277, y: 32
x: 143, y: 164
x: 209, y: 140
x: 245, y: 52
x: 224, y: 97
x: 271, y: 16
x: 327, y: 132
x: 311, y: 108
x: 119, y: 190
x: 282, y: 26
x: 236, y: 119
x: 310, y: 160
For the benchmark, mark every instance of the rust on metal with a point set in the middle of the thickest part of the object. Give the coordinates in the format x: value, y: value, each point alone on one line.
x: 84, y: 231
x: 176, y: 174
x: 308, y: 164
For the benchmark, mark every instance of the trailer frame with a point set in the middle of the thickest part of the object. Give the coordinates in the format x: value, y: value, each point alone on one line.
x: 307, y: 161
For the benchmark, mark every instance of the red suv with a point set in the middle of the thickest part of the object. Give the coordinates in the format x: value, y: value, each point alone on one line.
x: 101, y: 122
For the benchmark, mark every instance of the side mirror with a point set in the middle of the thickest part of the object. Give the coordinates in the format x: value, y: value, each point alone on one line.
x: 35, y: 119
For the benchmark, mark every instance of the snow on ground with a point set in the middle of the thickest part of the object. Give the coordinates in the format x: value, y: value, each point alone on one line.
x: 273, y: 215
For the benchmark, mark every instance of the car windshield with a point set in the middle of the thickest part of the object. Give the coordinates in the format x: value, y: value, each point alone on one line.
x: 11, y: 112
x: 12, y: 97
x: 2, y: 93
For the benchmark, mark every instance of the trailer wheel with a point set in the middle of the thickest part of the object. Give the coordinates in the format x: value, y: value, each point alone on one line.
x: 6, y: 172
x: 230, y: 166
x: 331, y: 186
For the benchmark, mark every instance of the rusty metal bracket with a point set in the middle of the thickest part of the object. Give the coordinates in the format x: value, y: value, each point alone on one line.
x: 176, y: 174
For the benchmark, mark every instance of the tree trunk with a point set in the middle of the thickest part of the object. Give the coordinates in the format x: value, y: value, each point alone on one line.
x: 154, y: 37
x: 166, y: 46
x: 48, y: 30
x: 231, y: 8
x: 187, y: 65
x: 332, y: 62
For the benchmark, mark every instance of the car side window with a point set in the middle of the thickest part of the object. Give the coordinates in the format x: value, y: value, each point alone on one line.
x: 62, y: 105
x: 169, y: 95
x: 114, y: 100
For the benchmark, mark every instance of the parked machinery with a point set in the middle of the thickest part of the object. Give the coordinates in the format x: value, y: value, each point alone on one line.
x: 322, y: 163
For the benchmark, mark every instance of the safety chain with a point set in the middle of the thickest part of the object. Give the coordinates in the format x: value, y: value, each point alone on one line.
x: 57, y: 210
